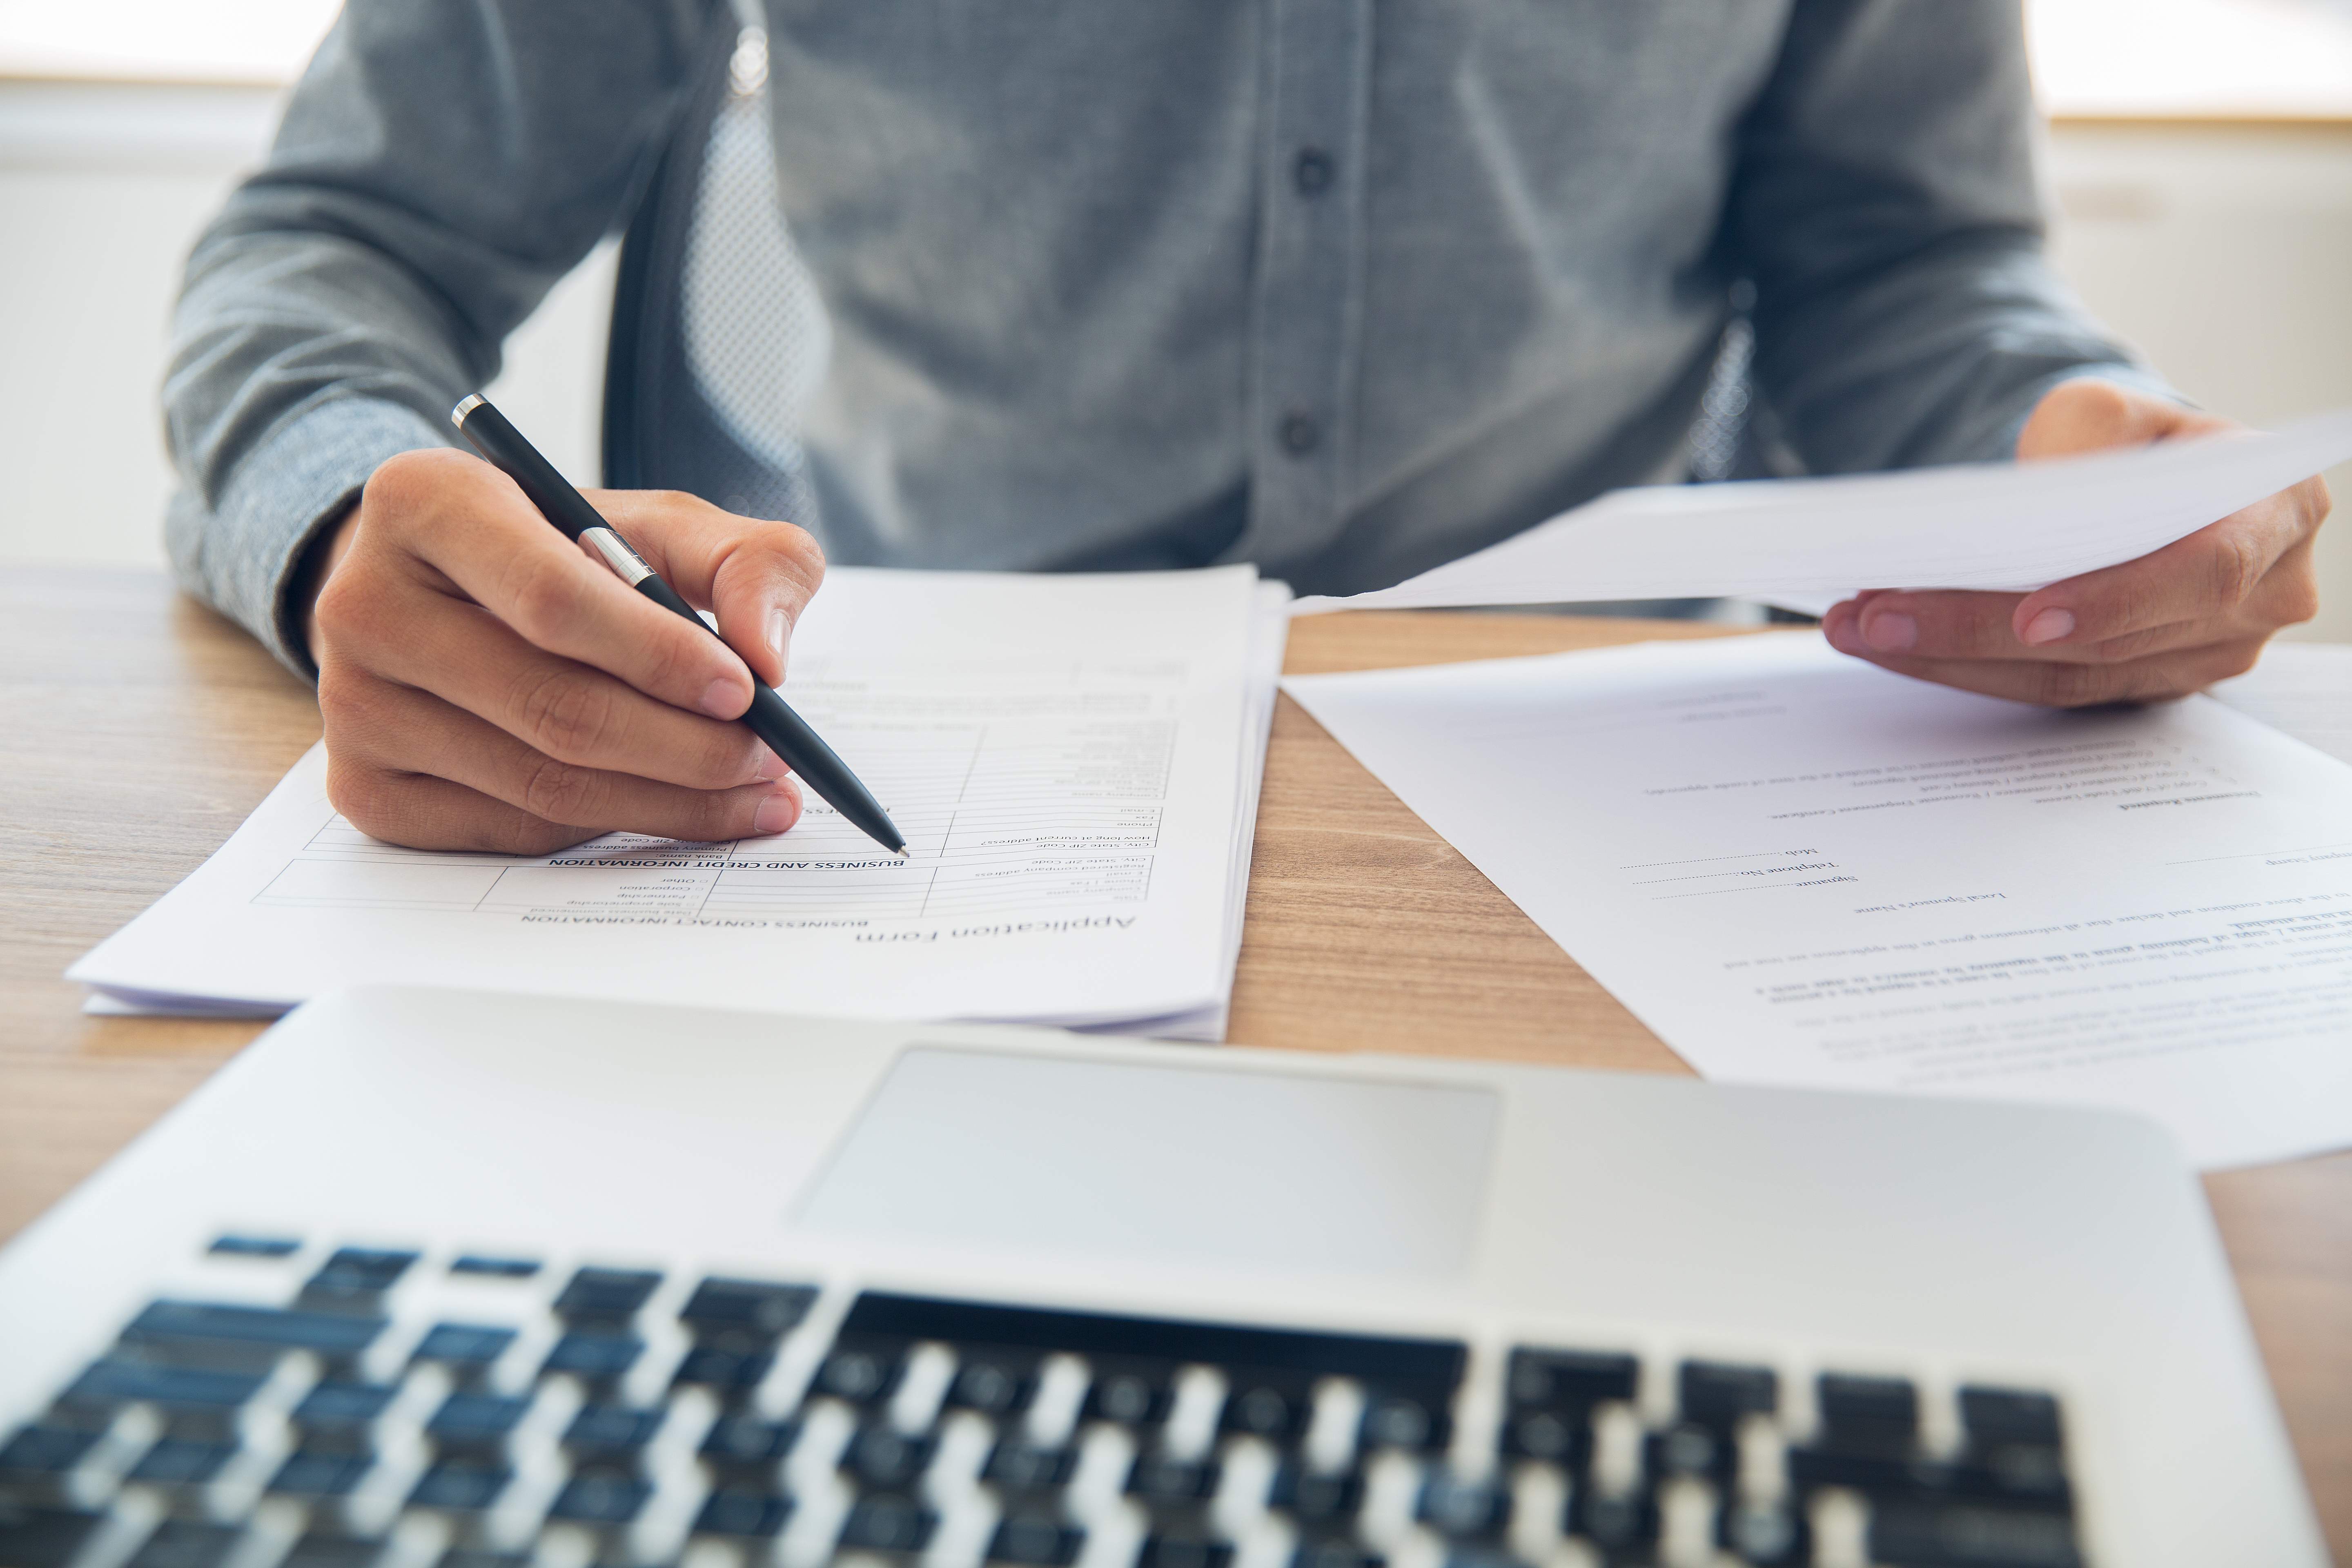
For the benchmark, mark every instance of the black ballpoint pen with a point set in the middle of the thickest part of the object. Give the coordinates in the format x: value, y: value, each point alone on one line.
x: 771, y: 718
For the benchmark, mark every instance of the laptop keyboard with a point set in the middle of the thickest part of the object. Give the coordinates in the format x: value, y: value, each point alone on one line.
x: 623, y: 1419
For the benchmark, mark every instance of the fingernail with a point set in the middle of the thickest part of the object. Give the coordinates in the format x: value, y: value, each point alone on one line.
x: 1890, y: 632
x: 2050, y: 626
x: 723, y: 699
x: 771, y: 766
x: 777, y: 627
x: 776, y: 813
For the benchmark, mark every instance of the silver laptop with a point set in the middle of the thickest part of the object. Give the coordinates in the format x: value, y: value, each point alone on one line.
x: 437, y: 1280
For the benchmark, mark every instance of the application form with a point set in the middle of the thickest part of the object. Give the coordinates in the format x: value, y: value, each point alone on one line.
x: 1074, y: 762
x: 1807, y: 544
x: 1799, y: 869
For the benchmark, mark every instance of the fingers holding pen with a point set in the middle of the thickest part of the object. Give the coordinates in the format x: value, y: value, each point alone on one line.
x: 463, y: 522
x: 560, y: 707
x: 757, y: 575
x: 411, y: 768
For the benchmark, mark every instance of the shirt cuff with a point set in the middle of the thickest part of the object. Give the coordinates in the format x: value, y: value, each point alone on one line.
x: 241, y: 553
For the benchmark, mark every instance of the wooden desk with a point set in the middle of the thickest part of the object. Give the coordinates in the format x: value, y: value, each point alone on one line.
x: 137, y: 731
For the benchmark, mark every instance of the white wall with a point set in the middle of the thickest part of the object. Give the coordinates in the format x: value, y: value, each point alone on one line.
x: 102, y: 190
x: 2226, y: 253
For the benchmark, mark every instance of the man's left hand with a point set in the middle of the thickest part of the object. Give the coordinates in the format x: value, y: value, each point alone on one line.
x: 2169, y: 623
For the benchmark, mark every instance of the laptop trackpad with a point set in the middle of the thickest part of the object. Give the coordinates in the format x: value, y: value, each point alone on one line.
x: 1183, y: 1164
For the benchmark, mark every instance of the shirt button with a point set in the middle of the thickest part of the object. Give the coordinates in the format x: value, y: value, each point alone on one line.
x: 1312, y: 171
x: 1301, y: 433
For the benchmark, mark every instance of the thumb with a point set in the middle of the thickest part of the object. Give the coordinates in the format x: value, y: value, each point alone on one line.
x: 2088, y: 415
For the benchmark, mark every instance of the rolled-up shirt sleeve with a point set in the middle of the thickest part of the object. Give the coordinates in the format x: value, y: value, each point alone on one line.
x: 442, y: 163
x: 1884, y: 205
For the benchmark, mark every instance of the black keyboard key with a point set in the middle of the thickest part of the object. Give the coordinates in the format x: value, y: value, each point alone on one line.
x: 887, y: 1522
x: 1462, y: 1510
x: 1335, y: 1553
x: 1619, y: 1524
x: 743, y: 1511
x: 605, y: 1296
x: 179, y: 1391
x: 314, y: 1472
x: 1427, y: 1369
x: 254, y: 1246
x: 1130, y: 1393
x: 474, y: 1422
x: 339, y: 1406
x: 1395, y: 1421
x: 752, y: 1311
x: 1873, y: 1474
x: 46, y: 1450
x: 745, y: 1444
x: 1276, y: 1409
x: 1867, y: 1414
x: 179, y: 1462
x: 887, y: 1460
x: 488, y: 1266
x: 1037, y: 1539
x: 609, y: 1433
x: 187, y: 1543
x: 332, y: 1552
x: 1958, y: 1534
x: 1184, y: 1551
x: 863, y: 1373
x: 339, y: 1417
x: 729, y: 1372
x: 356, y: 1276
x: 1569, y: 1383
x: 464, y: 1488
x: 1157, y: 1479
x: 1996, y: 1417
x: 231, y: 1335
x: 464, y: 1348
x: 1691, y: 1450
x: 994, y: 1383
x: 1550, y: 1436
x: 1019, y: 1466
x: 601, y: 1498
x: 1315, y: 1498
x: 1775, y: 1536
x: 1718, y: 1394
x: 596, y: 1357
x: 42, y: 1537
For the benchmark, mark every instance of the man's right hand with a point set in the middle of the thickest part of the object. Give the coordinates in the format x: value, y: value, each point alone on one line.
x: 488, y: 685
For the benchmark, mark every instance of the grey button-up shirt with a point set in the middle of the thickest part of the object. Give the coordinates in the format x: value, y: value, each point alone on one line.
x: 1344, y: 287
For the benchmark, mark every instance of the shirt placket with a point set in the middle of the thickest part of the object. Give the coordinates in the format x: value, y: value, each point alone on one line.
x: 1306, y: 304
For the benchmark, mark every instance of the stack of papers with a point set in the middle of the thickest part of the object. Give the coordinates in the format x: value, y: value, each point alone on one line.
x: 1075, y: 761
x: 1807, y: 543
x: 1799, y: 868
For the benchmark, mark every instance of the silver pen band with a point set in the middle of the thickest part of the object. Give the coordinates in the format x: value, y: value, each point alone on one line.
x: 625, y: 562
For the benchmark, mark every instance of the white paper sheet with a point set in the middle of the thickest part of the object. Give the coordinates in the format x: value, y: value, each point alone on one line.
x: 1799, y: 868
x: 1074, y: 761
x: 1807, y: 544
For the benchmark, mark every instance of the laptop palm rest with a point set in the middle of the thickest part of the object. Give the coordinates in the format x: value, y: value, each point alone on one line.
x: 1166, y: 1165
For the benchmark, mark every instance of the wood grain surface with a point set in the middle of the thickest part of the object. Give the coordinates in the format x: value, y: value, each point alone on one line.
x: 137, y: 730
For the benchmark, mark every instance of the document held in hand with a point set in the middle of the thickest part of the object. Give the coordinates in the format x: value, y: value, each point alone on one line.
x: 1075, y: 762
x: 1799, y: 868
x: 1807, y: 543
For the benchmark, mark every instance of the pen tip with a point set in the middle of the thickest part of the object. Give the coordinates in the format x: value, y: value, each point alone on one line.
x: 902, y: 852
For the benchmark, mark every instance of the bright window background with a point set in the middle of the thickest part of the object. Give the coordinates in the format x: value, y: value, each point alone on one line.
x: 2125, y: 58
